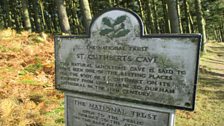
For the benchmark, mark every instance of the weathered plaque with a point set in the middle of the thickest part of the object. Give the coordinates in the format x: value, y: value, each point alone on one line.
x: 90, y: 111
x: 117, y: 61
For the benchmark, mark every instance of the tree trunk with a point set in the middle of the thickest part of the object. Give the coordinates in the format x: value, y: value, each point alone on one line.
x: 150, y: 21
x: 15, y: 15
x: 86, y: 13
x: 219, y: 35
x: 155, y: 16
x: 51, y: 17
x: 32, y: 22
x: 63, y: 18
x: 36, y: 16
x: 179, y: 16
x: 110, y: 3
x: 4, y: 19
x: 173, y: 16
x: 7, y: 13
x: 200, y: 22
x: 142, y: 14
x: 42, y: 14
x: 187, y: 14
x: 166, y: 19
x: 54, y: 19
x: 26, y: 17
x: 191, y: 23
x: 141, y: 10
x: 222, y: 33
x: 216, y: 35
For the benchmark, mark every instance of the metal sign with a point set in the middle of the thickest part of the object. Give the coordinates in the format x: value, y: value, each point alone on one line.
x: 117, y: 61
x: 93, y: 111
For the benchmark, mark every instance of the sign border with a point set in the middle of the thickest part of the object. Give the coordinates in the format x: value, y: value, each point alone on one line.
x: 198, y: 36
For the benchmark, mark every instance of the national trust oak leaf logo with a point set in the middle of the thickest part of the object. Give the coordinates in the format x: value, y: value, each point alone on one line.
x: 114, y: 28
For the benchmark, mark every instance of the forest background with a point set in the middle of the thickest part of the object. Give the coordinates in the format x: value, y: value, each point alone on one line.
x: 27, y: 94
x: 74, y: 16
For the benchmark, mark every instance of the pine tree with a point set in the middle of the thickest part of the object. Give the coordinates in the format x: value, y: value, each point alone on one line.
x: 200, y: 22
x: 86, y: 13
x: 63, y: 18
x: 173, y: 16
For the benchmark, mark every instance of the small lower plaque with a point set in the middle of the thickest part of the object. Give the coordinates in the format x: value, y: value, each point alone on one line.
x: 92, y: 111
